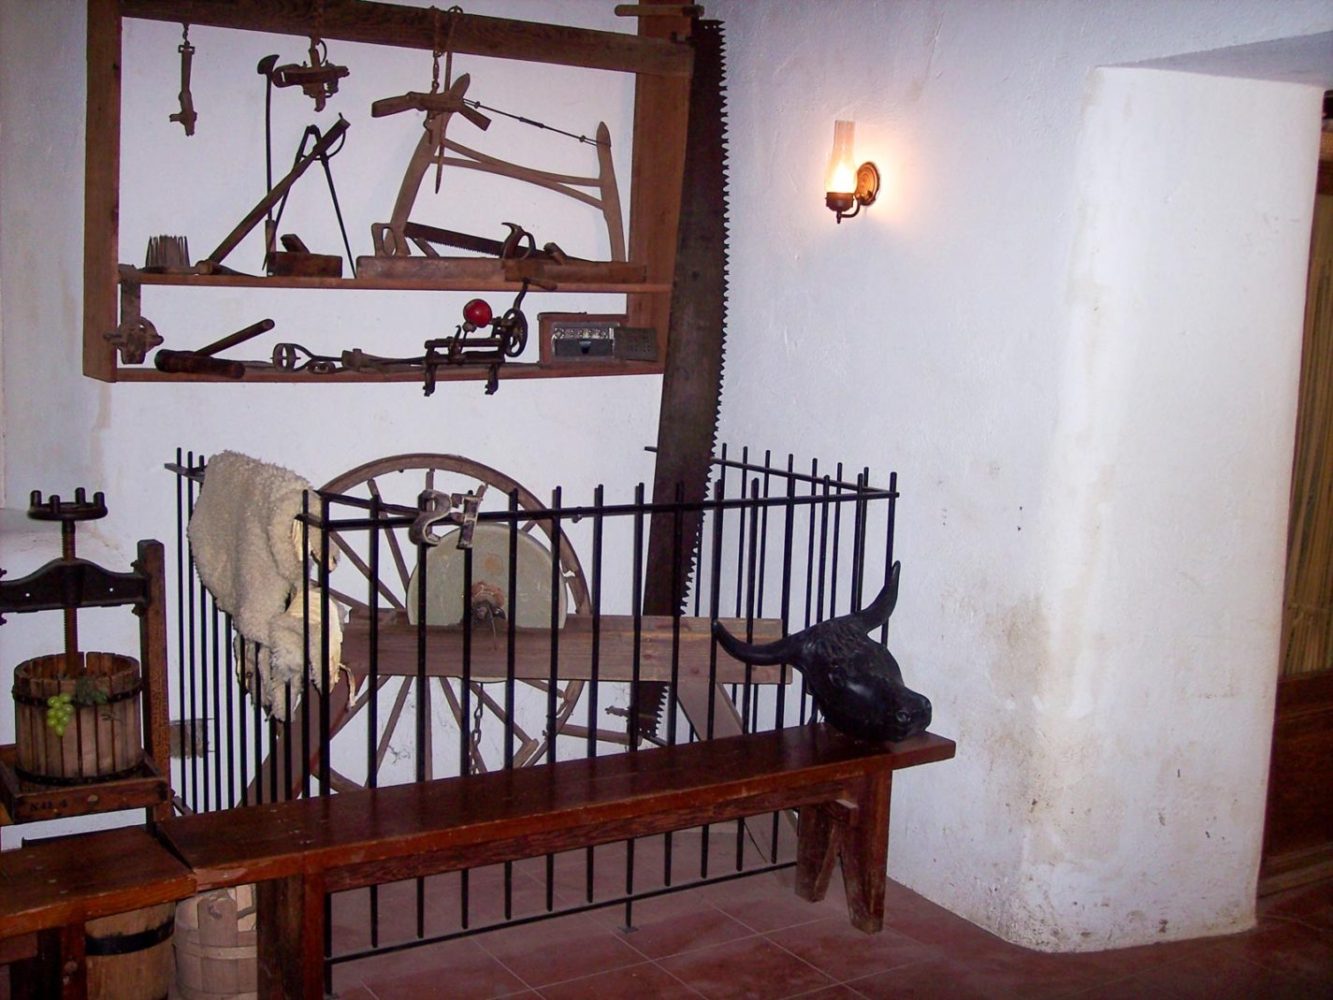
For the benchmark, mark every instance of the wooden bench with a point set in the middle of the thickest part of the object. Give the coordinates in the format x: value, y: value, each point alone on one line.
x: 54, y: 888
x: 299, y: 851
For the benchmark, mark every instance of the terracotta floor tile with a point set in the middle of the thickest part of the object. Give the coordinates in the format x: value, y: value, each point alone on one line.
x: 769, y: 902
x: 839, y: 950
x: 931, y: 980
x: 552, y: 951
x: 671, y: 925
x: 644, y: 981
x: 752, y: 968
x: 470, y: 972
x: 1224, y: 974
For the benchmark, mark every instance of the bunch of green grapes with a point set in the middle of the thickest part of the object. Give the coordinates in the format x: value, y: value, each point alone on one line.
x: 59, y: 710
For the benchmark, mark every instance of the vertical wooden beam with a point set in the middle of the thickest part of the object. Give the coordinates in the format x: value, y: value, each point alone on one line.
x: 865, y: 852
x: 101, y: 188
x: 60, y: 968
x: 153, y: 655
x: 289, y: 921
x: 661, y: 118
x: 818, y: 841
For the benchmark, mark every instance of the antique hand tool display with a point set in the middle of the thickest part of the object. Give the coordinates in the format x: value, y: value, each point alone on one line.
x: 414, y: 247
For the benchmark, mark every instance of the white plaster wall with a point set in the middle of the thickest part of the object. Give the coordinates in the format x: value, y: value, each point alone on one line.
x: 1057, y: 482
x: 944, y: 334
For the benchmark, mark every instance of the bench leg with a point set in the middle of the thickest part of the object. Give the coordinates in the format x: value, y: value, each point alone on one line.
x: 856, y: 833
x: 59, y: 969
x: 289, y: 919
x: 865, y: 853
x: 818, y: 841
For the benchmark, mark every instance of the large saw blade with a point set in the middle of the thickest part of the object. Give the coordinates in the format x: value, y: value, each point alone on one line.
x: 692, y: 383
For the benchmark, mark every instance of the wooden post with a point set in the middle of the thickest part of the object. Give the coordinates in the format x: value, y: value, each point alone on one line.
x: 818, y: 841
x: 289, y: 915
x: 661, y: 110
x: 865, y: 852
x: 101, y: 190
x: 153, y: 664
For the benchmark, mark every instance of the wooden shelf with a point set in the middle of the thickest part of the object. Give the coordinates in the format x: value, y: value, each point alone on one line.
x: 397, y: 649
x: 132, y: 275
x: 463, y: 373
x: 660, y: 57
x: 26, y: 801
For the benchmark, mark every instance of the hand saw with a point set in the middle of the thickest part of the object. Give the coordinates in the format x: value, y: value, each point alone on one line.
x: 692, y: 383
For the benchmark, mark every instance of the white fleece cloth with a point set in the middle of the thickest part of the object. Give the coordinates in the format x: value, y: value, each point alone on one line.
x: 247, y: 551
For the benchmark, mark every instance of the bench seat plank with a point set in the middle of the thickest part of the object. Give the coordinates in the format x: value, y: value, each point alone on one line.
x: 366, y: 836
x: 76, y: 879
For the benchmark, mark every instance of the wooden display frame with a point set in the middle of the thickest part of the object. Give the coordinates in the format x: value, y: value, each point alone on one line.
x: 659, y: 56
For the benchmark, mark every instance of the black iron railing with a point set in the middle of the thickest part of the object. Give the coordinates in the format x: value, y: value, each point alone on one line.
x: 558, y: 675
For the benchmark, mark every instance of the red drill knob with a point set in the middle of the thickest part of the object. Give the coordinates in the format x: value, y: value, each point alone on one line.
x: 477, y: 313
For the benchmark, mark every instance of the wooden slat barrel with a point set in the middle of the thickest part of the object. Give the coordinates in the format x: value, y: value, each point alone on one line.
x: 102, y: 741
x: 216, y: 946
x: 129, y: 954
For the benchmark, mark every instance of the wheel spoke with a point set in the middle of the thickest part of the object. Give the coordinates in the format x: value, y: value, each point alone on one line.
x: 382, y: 750
x: 391, y: 535
x: 355, y: 559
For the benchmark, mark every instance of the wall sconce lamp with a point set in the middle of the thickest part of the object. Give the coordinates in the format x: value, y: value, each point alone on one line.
x: 847, y: 185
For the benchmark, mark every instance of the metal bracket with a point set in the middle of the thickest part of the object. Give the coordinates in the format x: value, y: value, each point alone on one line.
x: 454, y: 508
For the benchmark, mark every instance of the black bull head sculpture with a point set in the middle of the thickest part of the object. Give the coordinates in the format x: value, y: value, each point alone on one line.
x: 856, y: 682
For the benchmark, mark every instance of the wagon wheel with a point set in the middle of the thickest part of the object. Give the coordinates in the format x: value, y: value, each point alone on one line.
x: 396, y: 482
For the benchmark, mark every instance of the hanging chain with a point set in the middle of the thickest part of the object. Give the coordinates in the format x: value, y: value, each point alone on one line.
x: 474, y: 765
x: 436, y: 51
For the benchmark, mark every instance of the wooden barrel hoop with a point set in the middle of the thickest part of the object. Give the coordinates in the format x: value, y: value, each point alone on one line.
x: 129, y: 954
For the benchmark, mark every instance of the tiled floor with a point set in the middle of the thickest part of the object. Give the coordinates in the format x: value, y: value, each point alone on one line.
x: 753, y: 938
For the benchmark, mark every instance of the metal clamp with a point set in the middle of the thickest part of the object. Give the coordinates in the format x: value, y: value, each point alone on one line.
x: 455, y: 508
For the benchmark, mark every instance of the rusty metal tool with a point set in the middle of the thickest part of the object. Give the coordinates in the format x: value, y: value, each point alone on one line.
x: 186, y: 115
x: 318, y: 152
x: 295, y: 358
x: 203, y: 362
x: 519, y: 244
x: 318, y: 79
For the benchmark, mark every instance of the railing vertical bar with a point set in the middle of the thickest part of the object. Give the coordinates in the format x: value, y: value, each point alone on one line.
x: 594, y: 688
x: 888, y: 541
x: 305, y: 677
x: 326, y: 671
x: 511, y: 668
x: 420, y: 716
x: 189, y: 720
x: 636, y: 609
x: 373, y: 679
x: 673, y: 688
x: 837, y: 549
x: 231, y: 713
x: 467, y: 763
x: 553, y: 679
x: 216, y: 657
x: 242, y: 736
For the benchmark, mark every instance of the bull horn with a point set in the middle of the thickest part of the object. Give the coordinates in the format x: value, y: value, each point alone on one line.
x: 877, y: 612
x: 779, y: 651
